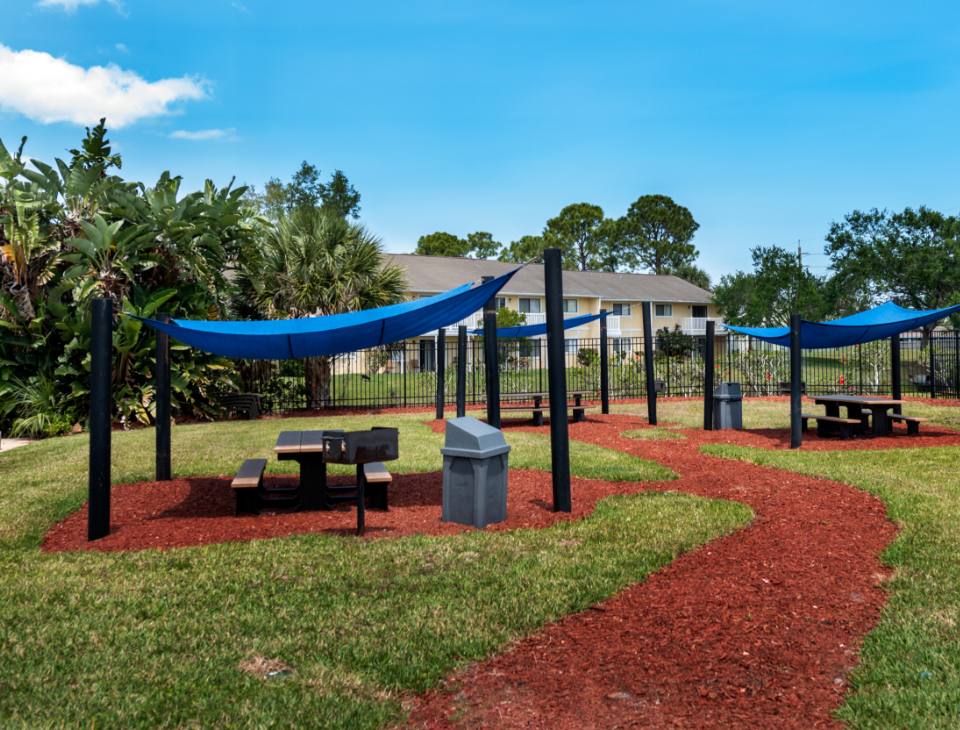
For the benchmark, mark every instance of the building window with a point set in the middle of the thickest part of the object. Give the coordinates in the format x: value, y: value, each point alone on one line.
x: 621, y: 346
x: 572, y: 346
x: 530, y: 347
x: 428, y: 356
x: 530, y: 306
x: 501, y: 302
x: 569, y: 306
x: 663, y: 310
x: 621, y: 309
x: 700, y: 311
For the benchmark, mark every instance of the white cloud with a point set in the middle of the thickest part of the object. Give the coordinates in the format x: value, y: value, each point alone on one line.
x: 71, y: 6
x: 122, y: 47
x: 204, y: 135
x: 48, y: 89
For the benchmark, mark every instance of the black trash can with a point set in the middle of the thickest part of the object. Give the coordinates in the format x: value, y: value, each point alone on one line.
x: 728, y: 406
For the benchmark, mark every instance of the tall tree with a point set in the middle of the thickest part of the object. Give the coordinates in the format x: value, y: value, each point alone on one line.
x: 306, y: 190
x: 657, y: 234
x: 482, y: 245
x: 441, y: 243
x: 524, y: 250
x: 777, y: 287
x: 577, y: 231
x: 912, y: 257
x: 694, y: 274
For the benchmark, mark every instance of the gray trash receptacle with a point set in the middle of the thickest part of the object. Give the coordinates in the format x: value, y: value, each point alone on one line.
x: 474, y: 473
x: 728, y: 406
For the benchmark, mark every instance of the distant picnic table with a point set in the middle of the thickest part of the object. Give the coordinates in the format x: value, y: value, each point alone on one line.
x: 864, y: 414
x: 511, y: 402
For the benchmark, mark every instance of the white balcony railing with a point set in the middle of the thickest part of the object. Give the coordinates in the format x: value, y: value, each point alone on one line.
x: 697, y: 325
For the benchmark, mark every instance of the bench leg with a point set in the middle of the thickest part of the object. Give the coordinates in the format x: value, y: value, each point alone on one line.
x: 913, y: 428
x: 804, y: 424
x: 579, y: 415
x: 248, y: 501
x: 377, y: 496
x: 538, y: 418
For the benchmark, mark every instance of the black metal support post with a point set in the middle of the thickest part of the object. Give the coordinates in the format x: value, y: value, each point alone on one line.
x: 796, y: 430
x: 709, y: 365
x: 441, y: 358
x: 101, y: 350
x: 557, y: 378
x: 604, y: 366
x: 461, y: 371
x: 162, y: 386
x: 491, y: 361
x: 896, y: 388
x: 648, y: 363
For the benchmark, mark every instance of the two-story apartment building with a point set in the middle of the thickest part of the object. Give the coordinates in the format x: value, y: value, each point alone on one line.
x: 675, y: 301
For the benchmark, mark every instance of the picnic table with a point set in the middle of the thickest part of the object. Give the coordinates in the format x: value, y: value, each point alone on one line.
x: 538, y: 399
x: 861, y: 407
x: 306, y: 448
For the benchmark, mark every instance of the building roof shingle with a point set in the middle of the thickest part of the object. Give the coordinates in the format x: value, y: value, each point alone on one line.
x: 432, y: 274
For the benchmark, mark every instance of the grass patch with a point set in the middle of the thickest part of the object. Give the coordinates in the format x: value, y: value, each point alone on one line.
x: 910, y: 672
x: 310, y: 630
x: 653, y: 434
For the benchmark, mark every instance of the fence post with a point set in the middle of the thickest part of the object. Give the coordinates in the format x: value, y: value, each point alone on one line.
x: 491, y: 359
x: 604, y: 365
x: 933, y: 368
x: 860, y: 367
x: 441, y: 369
x: 461, y: 371
x: 796, y: 430
x: 162, y: 400
x: 708, y: 376
x: 101, y: 356
x: 557, y: 376
x: 403, y: 372
x: 648, y: 363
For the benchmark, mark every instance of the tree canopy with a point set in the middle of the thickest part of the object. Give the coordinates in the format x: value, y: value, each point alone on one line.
x: 305, y: 190
x: 478, y: 245
x: 656, y: 234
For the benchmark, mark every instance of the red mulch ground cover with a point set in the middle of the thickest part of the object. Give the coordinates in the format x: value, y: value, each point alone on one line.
x: 201, y: 510
x: 757, y: 629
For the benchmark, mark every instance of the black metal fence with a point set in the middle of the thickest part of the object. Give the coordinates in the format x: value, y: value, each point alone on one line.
x: 405, y: 374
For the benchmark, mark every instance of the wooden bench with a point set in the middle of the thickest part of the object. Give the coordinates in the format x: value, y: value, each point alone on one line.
x: 831, y: 425
x: 913, y: 422
x: 247, y: 485
x: 247, y: 404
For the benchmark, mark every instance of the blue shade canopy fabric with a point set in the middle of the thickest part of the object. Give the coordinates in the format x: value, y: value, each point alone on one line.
x: 535, y: 330
x: 284, y: 339
x: 878, y: 323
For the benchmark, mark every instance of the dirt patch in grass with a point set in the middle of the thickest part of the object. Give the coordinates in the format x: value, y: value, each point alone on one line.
x: 201, y: 510
x: 756, y: 629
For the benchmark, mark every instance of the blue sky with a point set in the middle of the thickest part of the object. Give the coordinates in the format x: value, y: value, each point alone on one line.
x: 768, y: 120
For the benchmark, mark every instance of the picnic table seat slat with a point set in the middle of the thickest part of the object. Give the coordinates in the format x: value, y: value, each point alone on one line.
x: 247, y: 485
x: 912, y: 422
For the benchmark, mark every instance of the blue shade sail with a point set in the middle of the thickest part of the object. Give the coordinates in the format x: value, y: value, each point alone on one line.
x: 535, y: 330
x: 878, y: 323
x: 284, y: 339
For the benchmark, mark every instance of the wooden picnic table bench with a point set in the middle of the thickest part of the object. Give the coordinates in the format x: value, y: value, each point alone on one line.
x: 865, y: 409
x: 541, y: 402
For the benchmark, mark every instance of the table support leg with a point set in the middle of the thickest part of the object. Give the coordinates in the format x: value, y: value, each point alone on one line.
x: 313, y: 484
x: 361, y: 514
x: 881, y: 423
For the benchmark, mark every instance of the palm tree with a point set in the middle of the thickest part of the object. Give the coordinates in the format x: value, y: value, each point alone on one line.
x: 310, y: 264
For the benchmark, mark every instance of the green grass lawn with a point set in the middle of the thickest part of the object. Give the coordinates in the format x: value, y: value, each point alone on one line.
x: 165, y: 639
x: 910, y: 672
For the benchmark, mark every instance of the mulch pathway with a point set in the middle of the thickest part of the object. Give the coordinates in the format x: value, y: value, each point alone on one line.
x: 756, y: 629
x: 201, y: 510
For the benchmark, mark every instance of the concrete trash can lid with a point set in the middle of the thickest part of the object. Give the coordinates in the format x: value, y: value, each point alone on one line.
x: 467, y: 436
